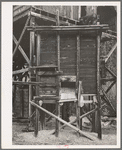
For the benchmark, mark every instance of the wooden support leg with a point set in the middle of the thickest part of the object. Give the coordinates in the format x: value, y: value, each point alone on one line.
x: 98, y: 87
x: 57, y: 122
x: 96, y: 121
x: 36, y: 123
x: 93, y: 119
x: 78, y: 117
x: 99, y: 125
x: 42, y: 120
x: 80, y: 121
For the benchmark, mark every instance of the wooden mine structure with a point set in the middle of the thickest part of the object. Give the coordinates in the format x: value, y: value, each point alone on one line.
x: 56, y: 50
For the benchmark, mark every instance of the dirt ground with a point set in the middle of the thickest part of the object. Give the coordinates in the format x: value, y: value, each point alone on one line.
x: 67, y: 136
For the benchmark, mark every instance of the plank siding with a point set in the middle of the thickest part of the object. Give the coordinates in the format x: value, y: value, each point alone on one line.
x: 48, y: 54
x: 88, y: 68
x: 68, y: 54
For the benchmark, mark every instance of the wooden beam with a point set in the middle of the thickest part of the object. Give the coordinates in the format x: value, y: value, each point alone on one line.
x: 68, y: 28
x: 40, y: 84
x: 36, y: 122
x: 21, y: 36
x: 38, y: 51
x: 108, y: 35
x: 98, y: 88
x: 57, y: 78
x: 51, y: 116
x: 61, y: 120
x: 32, y: 47
x: 110, y: 87
x: 21, y: 50
x: 108, y: 79
x: 111, y: 72
x: 37, y: 98
x: 49, y: 73
x: 17, y: 17
x: 44, y: 66
x: 109, y: 102
x: 68, y: 100
x: 20, y: 10
x: 20, y: 71
x: 78, y: 83
x: 111, y: 51
x: 58, y: 42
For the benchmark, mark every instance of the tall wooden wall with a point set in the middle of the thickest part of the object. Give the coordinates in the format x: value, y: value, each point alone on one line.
x: 68, y: 57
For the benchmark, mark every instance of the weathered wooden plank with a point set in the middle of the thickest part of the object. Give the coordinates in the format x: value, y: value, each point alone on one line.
x: 20, y: 71
x: 16, y: 18
x: 38, y: 48
x: 68, y: 28
x: 112, y: 84
x: 111, y: 72
x: 48, y: 80
x: 67, y: 71
x: 49, y: 73
x: 45, y: 97
x: 20, y: 9
x: 41, y: 84
x: 47, y: 91
x: 43, y: 66
x: 111, y: 52
x: 32, y: 47
x: 98, y: 88
x: 109, y: 102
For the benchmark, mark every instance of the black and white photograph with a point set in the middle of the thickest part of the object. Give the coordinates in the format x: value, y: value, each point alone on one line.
x: 60, y: 74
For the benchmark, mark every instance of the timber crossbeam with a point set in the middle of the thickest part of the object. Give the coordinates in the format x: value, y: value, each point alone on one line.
x: 67, y: 28
x: 41, y: 84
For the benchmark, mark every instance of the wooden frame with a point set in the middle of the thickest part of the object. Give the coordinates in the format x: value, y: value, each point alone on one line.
x: 87, y: 28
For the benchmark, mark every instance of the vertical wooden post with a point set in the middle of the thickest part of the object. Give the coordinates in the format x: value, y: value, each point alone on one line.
x: 36, y: 121
x: 98, y: 88
x: 32, y: 46
x: 93, y: 118
x: 38, y: 52
x: 78, y: 87
x: 58, y: 80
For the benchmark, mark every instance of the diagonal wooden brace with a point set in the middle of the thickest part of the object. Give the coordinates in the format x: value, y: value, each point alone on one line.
x: 111, y: 51
x: 21, y: 50
x: 109, y: 102
x: 23, y: 31
x: 88, y: 135
x: 112, y: 84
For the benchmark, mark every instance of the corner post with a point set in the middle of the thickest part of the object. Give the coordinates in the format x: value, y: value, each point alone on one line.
x: 78, y: 84
x: 98, y: 88
x: 58, y: 79
x: 32, y: 47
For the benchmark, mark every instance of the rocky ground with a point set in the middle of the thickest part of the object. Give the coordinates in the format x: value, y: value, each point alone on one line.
x: 66, y: 137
